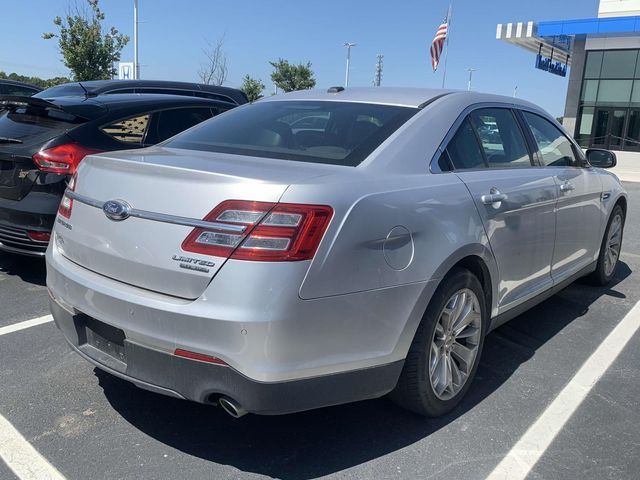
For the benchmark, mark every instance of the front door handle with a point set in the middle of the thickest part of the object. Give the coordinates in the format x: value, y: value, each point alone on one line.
x: 567, y: 187
x: 493, y: 197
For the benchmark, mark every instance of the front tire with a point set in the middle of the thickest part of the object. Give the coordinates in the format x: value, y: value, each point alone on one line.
x: 445, y: 352
x: 609, y: 249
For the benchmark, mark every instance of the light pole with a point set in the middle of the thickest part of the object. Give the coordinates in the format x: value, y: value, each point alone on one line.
x: 346, y: 77
x: 470, y: 70
x: 136, y: 66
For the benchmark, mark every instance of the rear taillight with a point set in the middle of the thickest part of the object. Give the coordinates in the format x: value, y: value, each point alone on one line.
x: 66, y: 204
x: 263, y: 231
x: 63, y: 159
x: 39, y: 236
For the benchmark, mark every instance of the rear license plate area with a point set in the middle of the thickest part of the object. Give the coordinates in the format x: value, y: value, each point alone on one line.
x: 104, y: 338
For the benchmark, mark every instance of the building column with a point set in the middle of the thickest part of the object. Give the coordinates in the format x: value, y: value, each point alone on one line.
x: 572, y: 103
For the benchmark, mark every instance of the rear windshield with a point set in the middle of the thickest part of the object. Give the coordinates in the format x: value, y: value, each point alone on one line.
x: 27, y: 125
x: 338, y: 133
x: 66, y: 90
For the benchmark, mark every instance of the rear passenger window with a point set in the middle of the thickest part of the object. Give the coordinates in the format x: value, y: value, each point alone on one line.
x: 131, y: 130
x: 502, y: 140
x: 464, y: 150
x: 172, y: 122
x: 555, y: 149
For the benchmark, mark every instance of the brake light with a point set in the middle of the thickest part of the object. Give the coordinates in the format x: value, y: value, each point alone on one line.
x: 66, y: 204
x: 63, y: 159
x: 272, y: 232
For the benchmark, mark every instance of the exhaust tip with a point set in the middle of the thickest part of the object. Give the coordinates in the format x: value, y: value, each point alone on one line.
x: 232, y: 407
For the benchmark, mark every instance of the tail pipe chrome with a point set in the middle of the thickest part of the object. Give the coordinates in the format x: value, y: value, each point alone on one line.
x: 232, y: 407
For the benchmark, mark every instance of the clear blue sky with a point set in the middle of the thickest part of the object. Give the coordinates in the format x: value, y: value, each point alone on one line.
x: 174, y: 32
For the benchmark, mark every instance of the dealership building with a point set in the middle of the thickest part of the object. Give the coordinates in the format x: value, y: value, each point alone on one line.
x: 601, y: 57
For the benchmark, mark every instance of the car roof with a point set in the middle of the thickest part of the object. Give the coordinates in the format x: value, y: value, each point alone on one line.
x: 20, y: 84
x: 98, y: 87
x: 400, y: 96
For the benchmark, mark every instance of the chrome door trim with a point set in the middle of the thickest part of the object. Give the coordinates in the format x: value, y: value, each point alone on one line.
x: 161, y: 217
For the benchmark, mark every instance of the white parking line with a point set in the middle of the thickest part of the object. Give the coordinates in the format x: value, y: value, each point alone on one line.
x: 23, y: 460
x: 535, y: 441
x: 26, y: 324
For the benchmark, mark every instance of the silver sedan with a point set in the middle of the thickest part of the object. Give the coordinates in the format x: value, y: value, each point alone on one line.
x: 323, y: 247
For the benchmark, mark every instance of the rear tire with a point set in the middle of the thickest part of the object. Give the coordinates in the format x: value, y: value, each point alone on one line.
x: 445, y: 352
x: 609, y: 249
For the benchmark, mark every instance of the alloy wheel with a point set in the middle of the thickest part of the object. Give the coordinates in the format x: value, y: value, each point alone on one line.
x: 455, y: 344
x: 612, y: 245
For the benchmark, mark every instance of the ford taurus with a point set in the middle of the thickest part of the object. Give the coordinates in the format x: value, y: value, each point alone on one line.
x: 273, y: 264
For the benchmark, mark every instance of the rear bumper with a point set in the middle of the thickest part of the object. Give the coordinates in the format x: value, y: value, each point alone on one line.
x: 284, y: 353
x: 35, y: 212
x: 167, y: 374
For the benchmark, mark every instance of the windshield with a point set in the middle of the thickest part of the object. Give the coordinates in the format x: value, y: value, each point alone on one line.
x: 65, y: 90
x: 338, y: 133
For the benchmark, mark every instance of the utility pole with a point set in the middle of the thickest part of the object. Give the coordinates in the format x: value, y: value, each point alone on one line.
x: 346, y: 77
x: 470, y: 70
x: 136, y: 64
x: 378, y: 78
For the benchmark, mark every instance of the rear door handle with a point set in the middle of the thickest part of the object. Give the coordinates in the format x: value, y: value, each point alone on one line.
x: 494, y: 197
x: 567, y: 187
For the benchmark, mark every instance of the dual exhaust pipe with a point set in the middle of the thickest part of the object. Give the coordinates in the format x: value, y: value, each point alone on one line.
x: 232, y: 407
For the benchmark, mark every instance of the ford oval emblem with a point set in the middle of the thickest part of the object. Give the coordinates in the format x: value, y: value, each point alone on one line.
x: 116, y: 210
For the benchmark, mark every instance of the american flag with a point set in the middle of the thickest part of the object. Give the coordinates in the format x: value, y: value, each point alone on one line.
x: 438, y: 43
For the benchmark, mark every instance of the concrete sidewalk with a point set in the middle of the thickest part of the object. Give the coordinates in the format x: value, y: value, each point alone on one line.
x: 628, y: 167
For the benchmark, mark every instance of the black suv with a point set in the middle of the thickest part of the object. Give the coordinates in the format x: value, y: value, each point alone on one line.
x: 43, y: 141
x: 102, y: 87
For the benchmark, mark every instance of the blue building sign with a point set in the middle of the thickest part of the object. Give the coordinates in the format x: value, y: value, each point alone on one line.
x: 550, y: 65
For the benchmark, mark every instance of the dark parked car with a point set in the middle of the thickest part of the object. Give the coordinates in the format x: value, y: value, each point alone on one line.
x: 11, y: 87
x: 43, y: 141
x: 101, y: 87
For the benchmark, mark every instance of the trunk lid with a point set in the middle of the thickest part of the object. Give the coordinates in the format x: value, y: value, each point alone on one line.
x: 167, y: 185
x: 26, y: 124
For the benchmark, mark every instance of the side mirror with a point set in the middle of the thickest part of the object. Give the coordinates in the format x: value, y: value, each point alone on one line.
x: 601, y: 158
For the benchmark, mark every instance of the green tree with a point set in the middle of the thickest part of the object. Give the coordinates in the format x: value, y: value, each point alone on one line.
x: 252, y: 88
x: 289, y: 77
x: 88, y: 50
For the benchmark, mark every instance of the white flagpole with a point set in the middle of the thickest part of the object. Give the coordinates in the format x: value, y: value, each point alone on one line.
x: 446, y: 47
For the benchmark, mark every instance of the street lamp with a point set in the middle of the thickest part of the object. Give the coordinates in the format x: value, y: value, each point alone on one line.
x: 346, y: 77
x: 136, y: 67
x: 470, y: 70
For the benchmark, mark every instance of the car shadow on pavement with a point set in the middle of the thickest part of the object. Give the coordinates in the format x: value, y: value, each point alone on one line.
x: 320, y: 442
x: 29, y: 269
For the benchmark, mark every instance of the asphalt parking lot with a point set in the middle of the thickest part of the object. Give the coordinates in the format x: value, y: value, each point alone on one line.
x: 88, y: 424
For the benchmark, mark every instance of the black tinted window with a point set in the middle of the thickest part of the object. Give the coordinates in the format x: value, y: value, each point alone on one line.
x: 502, y: 140
x: 268, y: 129
x: 172, y: 122
x: 464, y: 150
x: 8, y: 89
x: 68, y: 89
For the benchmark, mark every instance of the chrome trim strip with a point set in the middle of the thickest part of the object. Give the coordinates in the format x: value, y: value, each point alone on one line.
x: 161, y: 217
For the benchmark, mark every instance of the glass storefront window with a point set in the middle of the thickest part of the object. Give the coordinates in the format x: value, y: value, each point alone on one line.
x: 635, y: 95
x: 594, y: 62
x: 615, y: 91
x: 589, y: 91
x: 619, y: 64
x: 586, y: 121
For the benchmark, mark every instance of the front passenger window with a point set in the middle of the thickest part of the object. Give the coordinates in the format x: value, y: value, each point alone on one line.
x: 555, y: 149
